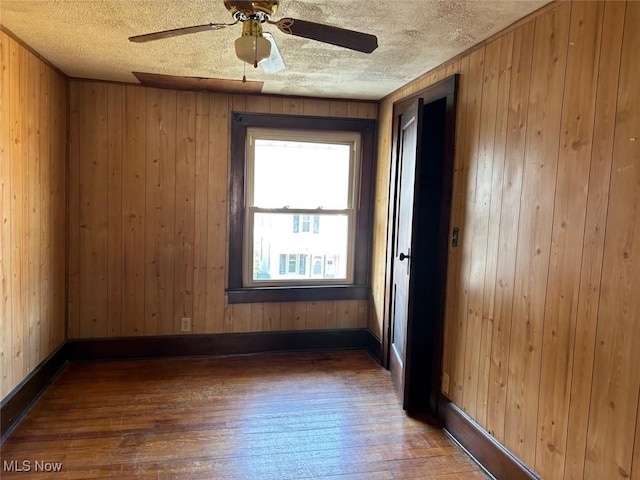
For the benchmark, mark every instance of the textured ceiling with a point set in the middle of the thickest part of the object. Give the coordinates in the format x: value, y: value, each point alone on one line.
x: 88, y: 39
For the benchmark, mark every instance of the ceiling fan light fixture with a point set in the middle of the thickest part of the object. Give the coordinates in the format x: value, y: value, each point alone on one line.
x: 252, y: 47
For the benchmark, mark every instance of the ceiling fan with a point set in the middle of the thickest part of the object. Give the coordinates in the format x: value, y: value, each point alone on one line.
x: 258, y: 47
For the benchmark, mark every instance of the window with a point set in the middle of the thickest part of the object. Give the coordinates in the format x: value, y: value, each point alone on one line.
x: 289, y: 175
x: 300, y: 177
x: 293, y: 262
x: 305, y: 223
x: 306, y: 219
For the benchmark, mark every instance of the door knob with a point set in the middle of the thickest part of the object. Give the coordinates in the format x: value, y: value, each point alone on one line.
x: 403, y: 256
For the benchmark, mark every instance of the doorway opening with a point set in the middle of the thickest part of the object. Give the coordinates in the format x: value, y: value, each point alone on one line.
x: 417, y: 245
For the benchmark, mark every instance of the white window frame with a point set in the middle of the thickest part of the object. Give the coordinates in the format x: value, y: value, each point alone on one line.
x: 353, y: 139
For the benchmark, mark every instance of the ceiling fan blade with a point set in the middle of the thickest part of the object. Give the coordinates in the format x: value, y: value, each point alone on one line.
x: 178, y: 31
x: 274, y: 63
x: 361, y: 42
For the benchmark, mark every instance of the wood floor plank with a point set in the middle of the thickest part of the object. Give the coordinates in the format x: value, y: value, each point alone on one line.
x: 286, y: 416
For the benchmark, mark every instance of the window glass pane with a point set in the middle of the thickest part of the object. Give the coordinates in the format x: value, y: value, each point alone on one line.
x: 292, y: 263
x: 301, y: 174
x: 319, y: 257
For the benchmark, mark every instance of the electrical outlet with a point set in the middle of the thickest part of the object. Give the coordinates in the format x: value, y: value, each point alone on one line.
x: 445, y: 384
x: 186, y: 325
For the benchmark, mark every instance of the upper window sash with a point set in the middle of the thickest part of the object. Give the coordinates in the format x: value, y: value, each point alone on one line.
x: 350, y: 139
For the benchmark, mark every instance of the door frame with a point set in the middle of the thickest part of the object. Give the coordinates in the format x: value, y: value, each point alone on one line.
x: 445, y: 89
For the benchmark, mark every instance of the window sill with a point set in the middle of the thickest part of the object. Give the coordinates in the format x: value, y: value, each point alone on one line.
x: 298, y: 294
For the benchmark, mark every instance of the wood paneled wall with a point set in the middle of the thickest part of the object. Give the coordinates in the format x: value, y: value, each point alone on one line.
x: 148, y: 189
x: 33, y: 113
x: 543, y: 294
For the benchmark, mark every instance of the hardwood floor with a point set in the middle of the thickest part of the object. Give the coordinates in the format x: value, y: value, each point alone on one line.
x: 287, y: 416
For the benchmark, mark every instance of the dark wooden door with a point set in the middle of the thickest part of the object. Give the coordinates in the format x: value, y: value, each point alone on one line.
x: 409, y: 129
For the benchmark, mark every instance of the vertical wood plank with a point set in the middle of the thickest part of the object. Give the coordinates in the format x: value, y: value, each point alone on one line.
x: 94, y: 169
x: 635, y: 468
x: 466, y: 366
x: 34, y: 211
x: 24, y: 213
x: 352, y: 109
x: 497, y: 177
x: 363, y: 313
x: 560, y: 314
x: 368, y: 110
x: 455, y: 323
x: 185, y: 207
x: 292, y: 106
x: 331, y: 315
x: 133, y: 210
x: 6, y: 221
x: 201, y: 215
x: 73, y: 214
x: 49, y: 233
x: 115, y: 117
x: 450, y: 324
x: 276, y: 105
x: 287, y: 316
x: 347, y: 313
x: 338, y: 109
x: 271, y: 316
x: 241, y: 317
x: 381, y: 207
x: 45, y: 227
x: 482, y: 214
x: 16, y: 213
x: 160, y: 211
x: 59, y: 106
x: 299, y: 315
x: 616, y: 383
x: 593, y: 244
x: 257, y: 317
x: 509, y: 221
x: 315, y: 315
x: 239, y: 103
x: 534, y: 234
x: 219, y: 108
x: 227, y: 321
x: 258, y: 104
x: 473, y: 322
x: 318, y: 108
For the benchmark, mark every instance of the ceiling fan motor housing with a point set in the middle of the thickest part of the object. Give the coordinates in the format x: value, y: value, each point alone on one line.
x: 248, y: 8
